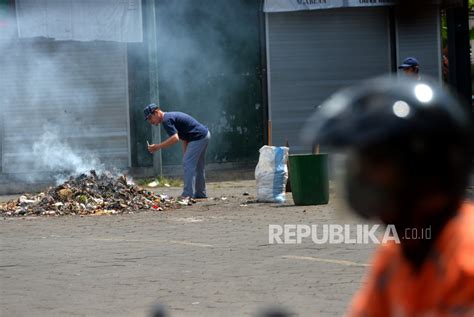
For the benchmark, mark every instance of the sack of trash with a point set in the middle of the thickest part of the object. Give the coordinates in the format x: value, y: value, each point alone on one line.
x: 271, y: 174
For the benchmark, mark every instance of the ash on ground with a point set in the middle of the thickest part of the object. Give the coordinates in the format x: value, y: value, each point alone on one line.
x: 91, y: 194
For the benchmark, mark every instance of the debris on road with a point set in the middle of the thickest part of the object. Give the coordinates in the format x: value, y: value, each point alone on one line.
x: 90, y: 194
x: 153, y: 184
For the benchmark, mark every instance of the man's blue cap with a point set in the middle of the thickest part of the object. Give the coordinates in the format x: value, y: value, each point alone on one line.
x: 409, y: 62
x: 148, y: 111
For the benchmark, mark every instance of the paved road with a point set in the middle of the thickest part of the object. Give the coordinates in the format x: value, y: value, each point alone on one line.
x: 210, y: 259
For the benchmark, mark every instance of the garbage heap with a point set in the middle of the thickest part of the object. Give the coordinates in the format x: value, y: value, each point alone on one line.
x: 90, y: 194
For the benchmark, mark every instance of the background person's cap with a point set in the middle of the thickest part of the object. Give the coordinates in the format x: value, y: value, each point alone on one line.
x: 149, y: 110
x: 409, y: 62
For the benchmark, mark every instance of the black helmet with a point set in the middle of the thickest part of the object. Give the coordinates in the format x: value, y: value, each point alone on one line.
x: 408, y: 142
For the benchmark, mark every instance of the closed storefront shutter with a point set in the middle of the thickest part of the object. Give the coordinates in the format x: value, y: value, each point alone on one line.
x: 419, y: 37
x: 312, y: 54
x: 70, y: 96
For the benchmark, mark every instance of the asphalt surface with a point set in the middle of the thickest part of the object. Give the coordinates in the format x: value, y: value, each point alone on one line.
x: 209, y: 259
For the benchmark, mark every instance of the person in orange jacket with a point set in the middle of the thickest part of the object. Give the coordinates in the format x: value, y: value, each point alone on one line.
x: 409, y: 155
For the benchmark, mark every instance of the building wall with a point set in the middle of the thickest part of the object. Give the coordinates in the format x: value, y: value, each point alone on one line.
x: 64, y: 104
x: 471, y: 41
x: 206, y: 54
x: 420, y: 36
x: 209, y: 67
x: 312, y: 54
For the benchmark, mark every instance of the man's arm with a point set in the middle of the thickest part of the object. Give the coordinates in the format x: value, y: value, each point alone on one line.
x: 166, y: 143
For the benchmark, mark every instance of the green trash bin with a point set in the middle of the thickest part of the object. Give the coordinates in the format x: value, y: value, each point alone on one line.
x: 309, y: 179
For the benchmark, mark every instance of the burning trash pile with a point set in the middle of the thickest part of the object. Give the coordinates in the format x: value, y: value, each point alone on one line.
x: 90, y: 194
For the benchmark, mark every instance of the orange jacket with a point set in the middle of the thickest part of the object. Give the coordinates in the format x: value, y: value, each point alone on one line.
x: 444, y: 286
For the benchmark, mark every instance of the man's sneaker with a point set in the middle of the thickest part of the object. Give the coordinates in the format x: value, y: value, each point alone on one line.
x: 185, y: 201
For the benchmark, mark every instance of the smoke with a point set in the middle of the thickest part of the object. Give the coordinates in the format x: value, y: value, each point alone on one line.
x: 59, y: 115
x: 64, y: 103
x: 53, y: 154
x: 195, y: 50
x: 44, y: 128
x: 207, y: 68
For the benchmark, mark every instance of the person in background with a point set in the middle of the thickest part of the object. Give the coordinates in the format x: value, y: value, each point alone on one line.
x: 445, y: 65
x: 195, y: 139
x: 409, y: 156
x: 410, y: 67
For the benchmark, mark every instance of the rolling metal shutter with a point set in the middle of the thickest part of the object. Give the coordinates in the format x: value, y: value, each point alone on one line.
x: 420, y: 37
x: 76, y: 90
x: 312, y: 54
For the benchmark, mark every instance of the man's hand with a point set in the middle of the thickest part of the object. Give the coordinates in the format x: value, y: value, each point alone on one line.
x: 152, y: 148
x: 167, y: 143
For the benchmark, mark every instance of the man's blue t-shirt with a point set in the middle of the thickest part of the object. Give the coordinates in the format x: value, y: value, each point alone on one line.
x: 188, y: 128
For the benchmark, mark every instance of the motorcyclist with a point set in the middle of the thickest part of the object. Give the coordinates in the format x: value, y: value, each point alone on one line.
x: 409, y: 155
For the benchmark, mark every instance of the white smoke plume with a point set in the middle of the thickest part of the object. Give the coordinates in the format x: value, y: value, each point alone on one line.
x: 59, y: 109
x: 54, y: 154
